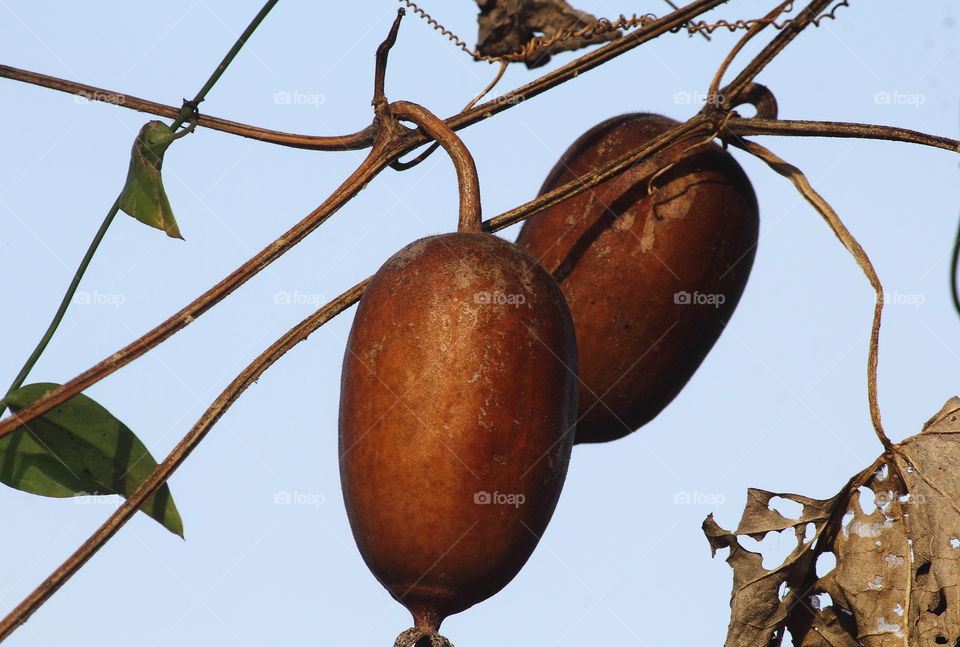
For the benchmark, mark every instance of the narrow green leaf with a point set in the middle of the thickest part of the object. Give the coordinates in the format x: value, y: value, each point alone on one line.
x: 79, y: 448
x: 143, y: 196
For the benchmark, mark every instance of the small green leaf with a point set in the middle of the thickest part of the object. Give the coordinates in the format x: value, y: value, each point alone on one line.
x: 143, y: 196
x: 79, y: 448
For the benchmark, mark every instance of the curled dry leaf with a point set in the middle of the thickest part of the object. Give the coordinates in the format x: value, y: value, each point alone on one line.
x: 505, y: 26
x: 897, y: 574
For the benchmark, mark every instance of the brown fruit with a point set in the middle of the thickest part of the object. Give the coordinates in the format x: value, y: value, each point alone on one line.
x: 457, y: 408
x: 651, y: 280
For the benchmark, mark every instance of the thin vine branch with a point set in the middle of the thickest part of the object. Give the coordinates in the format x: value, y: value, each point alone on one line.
x: 756, y: 126
x: 164, y: 470
x: 355, y: 141
x: 799, y: 180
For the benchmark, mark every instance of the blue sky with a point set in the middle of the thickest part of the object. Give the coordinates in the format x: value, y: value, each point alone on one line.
x: 779, y: 404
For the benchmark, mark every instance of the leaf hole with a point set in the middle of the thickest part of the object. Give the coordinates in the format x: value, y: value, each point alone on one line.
x: 940, y: 640
x: 826, y: 562
x: 774, y: 548
x: 786, y: 507
x: 923, y: 569
x: 783, y: 590
x: 867, y: 500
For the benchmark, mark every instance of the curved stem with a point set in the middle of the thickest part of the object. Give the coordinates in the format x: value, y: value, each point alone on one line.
x: 162, y: 472
x: 469, y: 183
x: 799, y: 180
x: 403, y: 166
x: 760, y: 97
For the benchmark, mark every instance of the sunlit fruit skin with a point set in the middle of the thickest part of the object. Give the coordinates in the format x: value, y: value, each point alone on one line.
x: 651, y: 280
x: 457, y: 409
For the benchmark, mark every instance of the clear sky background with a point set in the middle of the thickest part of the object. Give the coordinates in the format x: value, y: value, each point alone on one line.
x: 780, y: 403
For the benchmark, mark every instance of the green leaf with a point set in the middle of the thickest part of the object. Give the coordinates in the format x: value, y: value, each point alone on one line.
x: 143, y: 196
x: 79, y: 448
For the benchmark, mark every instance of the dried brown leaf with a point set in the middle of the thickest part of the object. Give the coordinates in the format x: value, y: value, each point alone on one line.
x: 505, y: 26
x: 897, y: 574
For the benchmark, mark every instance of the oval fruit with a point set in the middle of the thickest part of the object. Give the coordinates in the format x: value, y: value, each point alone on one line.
x: 457, y: 408
x: 651, y: 280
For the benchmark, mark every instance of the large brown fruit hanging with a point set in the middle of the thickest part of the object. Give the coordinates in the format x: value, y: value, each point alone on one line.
x: 651, y: 279
x: 457, y: 408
